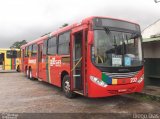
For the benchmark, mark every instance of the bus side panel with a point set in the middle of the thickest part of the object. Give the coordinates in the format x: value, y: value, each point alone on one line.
x: 43, y: 69
x: 13, y: 63
x: 65, y: 66
x: 33, y: 65
x: 47, y: 69
x: 25, y: 63
x: 57, y: 67
x: 3, y: 60
x: 52, y: 71
x: 8, y: 63
x: 17, y: 62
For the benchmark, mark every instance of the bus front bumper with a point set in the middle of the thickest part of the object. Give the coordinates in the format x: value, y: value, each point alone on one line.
x: 95, y: 90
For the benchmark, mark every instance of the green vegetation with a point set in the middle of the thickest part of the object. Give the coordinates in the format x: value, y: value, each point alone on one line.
x: 64, y: 25
x: 18, y: 44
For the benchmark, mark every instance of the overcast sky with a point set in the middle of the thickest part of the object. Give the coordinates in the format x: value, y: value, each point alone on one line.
x: 29, y: 19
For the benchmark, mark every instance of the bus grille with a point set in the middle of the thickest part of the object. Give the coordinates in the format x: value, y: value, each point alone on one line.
x: 121, y: 75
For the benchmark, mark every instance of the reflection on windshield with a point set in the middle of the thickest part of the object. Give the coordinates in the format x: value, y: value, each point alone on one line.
x: 113, y: 48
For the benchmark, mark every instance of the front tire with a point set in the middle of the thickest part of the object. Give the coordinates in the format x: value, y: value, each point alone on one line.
x: 66, y: 87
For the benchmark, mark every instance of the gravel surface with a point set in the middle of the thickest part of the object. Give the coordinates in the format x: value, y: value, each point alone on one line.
x: 18, y: 94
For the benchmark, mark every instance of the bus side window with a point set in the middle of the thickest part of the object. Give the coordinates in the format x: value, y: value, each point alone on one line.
x: 30, y: 50
x: 52, y: 46
x: 18, y: 54
x: 63, y: 43
x: 11, y: 54
x: 8, y: 54
x: 45, y: 47
x: 14, y: 54
x: 34, y: 50
x: 26, y: 51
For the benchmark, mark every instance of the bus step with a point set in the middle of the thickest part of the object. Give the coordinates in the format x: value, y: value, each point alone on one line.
x: 79, y: 92
x: 78, y: 75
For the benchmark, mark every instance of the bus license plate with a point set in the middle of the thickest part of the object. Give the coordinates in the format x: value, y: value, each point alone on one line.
x: 122, y: 90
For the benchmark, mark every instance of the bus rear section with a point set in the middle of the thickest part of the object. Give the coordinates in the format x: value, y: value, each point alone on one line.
x: 99, y: 57
x: 9, y: 59
x: 1, y: 61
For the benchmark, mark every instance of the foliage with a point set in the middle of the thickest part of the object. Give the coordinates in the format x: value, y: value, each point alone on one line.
x: 64, y: 25
x: 18, y: 44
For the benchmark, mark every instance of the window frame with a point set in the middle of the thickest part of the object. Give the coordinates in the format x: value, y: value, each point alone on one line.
x: 35, y: 54
x: 26, y: 52
x: 55, y: 45
x: 45, y: 45
x: 58, y: 44
x: 30, y: 46
x: 9, y: 56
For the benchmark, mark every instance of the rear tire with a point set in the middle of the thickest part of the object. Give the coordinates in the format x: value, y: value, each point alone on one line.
x: 66, y: 87
x: 18, y: 68
x: 27, y: 73
x: 30, y: 74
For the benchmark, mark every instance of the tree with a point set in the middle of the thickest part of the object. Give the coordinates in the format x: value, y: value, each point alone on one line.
x: 18, y: 44
x: 156, y: 1
x: 64, y: 25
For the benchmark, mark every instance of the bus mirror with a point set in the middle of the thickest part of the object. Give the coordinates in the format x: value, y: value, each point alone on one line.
x: 90, y: 37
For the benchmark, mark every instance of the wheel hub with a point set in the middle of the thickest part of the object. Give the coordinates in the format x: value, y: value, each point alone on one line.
x: 66, y: 86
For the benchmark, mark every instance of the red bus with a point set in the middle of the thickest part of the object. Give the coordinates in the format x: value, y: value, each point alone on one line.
x: 98, y: 57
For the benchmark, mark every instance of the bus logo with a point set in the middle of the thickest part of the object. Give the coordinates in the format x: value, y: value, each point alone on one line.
x: 55, y: 62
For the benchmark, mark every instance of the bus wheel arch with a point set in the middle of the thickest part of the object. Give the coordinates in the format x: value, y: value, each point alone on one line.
x: 62, y: 76
x: 30, y: 73
x: 26, y: 69
x: 65, y: 78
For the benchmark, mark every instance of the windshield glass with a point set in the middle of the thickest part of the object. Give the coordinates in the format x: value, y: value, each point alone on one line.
x: 116, y: 49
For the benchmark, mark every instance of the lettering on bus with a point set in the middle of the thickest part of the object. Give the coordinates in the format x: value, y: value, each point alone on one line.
x: 133, y: 80
x: 32, y: 61
x: 55, y: 62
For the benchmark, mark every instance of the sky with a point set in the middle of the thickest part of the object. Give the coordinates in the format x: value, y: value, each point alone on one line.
x: 30, y: 19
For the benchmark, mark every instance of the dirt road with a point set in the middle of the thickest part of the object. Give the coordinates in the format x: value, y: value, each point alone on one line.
x: 18, y: 94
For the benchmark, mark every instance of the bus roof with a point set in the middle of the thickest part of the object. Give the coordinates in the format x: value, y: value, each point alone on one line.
x: 8, y: 49
x: 61, y: 30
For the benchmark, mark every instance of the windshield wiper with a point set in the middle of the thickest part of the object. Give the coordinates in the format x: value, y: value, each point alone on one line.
x: 107, y: 30
x: 109, y: 34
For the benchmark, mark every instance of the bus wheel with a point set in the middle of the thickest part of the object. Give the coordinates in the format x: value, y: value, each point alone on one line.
x: 66, y: 87
x: 30, y: 74
x: 27, y: 73
x: 18, y: 68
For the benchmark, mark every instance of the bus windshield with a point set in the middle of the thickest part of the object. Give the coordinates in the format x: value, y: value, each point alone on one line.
x: 116, y: 48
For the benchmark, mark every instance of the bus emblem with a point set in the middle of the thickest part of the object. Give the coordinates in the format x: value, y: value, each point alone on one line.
x: 55, y: 62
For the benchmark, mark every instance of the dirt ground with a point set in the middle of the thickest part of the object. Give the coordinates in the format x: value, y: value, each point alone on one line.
x: 20, y: 95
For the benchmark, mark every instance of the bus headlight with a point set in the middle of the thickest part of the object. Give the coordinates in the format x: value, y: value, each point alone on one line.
x: 140, y: 79
x: 98, y: 81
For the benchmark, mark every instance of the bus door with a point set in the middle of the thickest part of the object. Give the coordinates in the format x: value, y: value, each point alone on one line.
x: 40, y: 62
x: 78, y: 61
x: 22, y: 60
x: 2, y: 65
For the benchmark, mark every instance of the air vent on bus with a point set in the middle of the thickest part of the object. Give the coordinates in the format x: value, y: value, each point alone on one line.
x: 121, y: 75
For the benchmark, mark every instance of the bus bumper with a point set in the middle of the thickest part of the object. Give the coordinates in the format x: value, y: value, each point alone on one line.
x: 95, y: 90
